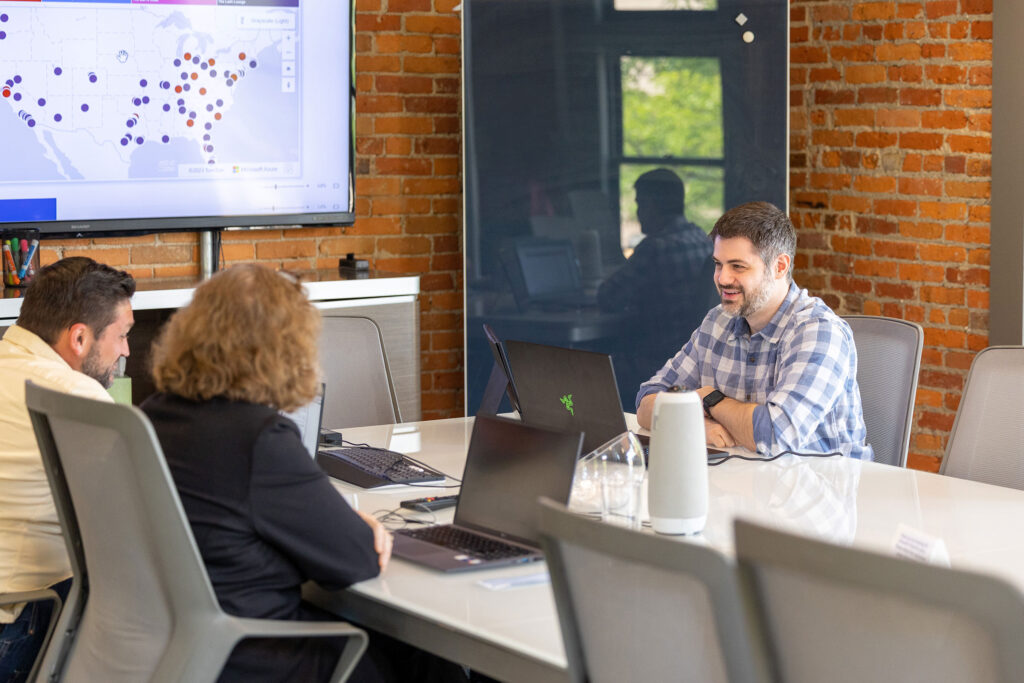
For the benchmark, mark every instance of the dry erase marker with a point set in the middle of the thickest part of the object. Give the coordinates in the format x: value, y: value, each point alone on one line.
x: 12, y: 276
x: 26, y: 263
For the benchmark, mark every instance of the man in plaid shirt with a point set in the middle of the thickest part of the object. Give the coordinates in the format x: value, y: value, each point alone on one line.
x: 776, y: 368
x: 667, y: 280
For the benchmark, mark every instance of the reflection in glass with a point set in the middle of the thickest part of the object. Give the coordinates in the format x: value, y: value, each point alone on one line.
x: 655, y: 5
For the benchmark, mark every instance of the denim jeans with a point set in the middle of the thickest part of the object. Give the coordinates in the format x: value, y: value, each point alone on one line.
x: 20, y: 640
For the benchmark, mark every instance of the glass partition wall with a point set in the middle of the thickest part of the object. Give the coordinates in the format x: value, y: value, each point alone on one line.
x: 592, y: 127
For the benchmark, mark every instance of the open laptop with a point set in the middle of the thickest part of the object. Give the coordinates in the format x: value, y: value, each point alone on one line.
x: 509, y: 466
x: 545, y: 274
x: 568, y: 389
x: 308, y: 419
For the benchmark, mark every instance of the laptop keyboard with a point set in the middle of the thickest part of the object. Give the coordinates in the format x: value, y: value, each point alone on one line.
x: 466, y: 542
x: 369, y: 467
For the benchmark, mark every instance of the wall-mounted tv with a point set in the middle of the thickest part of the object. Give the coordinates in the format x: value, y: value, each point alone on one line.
x: 122, y: 116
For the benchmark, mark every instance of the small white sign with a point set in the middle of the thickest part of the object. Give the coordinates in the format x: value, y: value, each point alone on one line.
x: 913, y: 544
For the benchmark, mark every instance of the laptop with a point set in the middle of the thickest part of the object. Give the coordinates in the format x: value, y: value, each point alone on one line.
x: 308, y: 419
x: 569, y: 389
x: 509, y: 466
x: 545, y: 274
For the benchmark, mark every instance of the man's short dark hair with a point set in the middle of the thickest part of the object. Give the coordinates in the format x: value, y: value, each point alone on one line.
x: 663, y: 190
x: 765, y: 225
x: 70, y: 291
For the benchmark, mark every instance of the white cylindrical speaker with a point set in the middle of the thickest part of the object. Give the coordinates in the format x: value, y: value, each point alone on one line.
x: 677, y: 472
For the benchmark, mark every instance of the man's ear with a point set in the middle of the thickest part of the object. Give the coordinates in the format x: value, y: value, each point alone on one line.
x: 782, y: 265
x: 79, y: 339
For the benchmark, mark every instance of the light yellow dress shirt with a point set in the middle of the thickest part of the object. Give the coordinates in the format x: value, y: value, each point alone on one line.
x: 32, y: 550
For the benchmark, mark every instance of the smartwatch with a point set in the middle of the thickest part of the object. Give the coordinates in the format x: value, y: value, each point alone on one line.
x: 712, y: 400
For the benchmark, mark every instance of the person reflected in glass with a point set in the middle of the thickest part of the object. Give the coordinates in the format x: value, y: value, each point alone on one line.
x: 667, y: 280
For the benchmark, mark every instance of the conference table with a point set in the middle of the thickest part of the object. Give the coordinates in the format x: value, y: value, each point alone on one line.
x: 503, y: 623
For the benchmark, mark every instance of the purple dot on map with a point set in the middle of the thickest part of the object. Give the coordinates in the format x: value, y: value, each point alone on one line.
x: 184, y: 76
x: 181, y: 110
x: 130, y: 122
x: 208, y: 126
x: 136, y: 101
x: 220, y: 103
x: 229, y: 82
x: 166, y: 138
x: 17, y: 96
x: 186, y: 87
x: 143, y: 82
x: 17, y: 79
x: 213, y: 72
x: 206, y: 137
x: 57, y: 71
x: 3, y: 34
x: 191, y: 114
x: 57, y: 117
x: 252, y: 64
x: 31, y: 123
x: 209, y: 148
x: 92, y: 78
x: 42, y: 101
x: 165, y: 85
x: 138, y: 140
x: 181, y: 100
x: 177, y: 62
x: 145, y: 99
x: 167, y: 107
x: 209, y: 107
x: 195, y: 60
x: 212, y: 161
x: 124, y: 141
x: 3, y: 17
x: 204, y: 66
x: 85, y: 107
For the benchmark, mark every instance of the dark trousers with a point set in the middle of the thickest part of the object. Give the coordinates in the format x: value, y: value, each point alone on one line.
x: 20, y: 640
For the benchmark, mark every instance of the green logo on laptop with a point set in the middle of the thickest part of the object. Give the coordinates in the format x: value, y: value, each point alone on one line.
x: 567, y: 402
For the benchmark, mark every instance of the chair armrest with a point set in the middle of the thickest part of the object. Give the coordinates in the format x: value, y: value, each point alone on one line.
x: 280, y: 628
x: 31, y: 596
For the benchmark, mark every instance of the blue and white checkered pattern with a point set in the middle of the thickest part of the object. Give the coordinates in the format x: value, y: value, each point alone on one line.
x: 801, y: 370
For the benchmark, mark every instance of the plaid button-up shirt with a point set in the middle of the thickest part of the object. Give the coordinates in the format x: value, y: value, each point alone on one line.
x: 801, y: 370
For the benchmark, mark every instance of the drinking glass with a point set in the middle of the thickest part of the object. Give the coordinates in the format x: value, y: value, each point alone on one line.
x: 620, y: 463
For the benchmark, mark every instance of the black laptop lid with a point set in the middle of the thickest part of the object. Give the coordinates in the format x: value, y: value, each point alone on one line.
x: 509, y: 466
x: 308, y: 419
x: 567, y: 389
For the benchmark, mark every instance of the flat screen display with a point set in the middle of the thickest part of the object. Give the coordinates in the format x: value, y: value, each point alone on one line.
x: 153, y: 115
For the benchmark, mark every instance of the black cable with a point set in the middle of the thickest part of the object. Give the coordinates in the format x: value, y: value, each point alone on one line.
x: 719, y: 461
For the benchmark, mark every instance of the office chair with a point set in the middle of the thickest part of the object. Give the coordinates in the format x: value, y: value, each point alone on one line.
x: 987, y: 440
x: 888, y: 364
x: 360, y: 390
x: 637, y: 607
x: 9, y: 599
x: 836, y: 614
x: 141, y: 606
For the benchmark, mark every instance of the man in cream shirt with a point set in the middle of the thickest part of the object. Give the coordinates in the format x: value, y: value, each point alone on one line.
x: 71, y: 334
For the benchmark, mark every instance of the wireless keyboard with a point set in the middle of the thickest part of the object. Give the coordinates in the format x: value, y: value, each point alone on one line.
x: 370, y: 467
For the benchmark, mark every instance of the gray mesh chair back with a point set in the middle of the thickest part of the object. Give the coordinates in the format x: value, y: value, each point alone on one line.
x: 359, y: 391
x: 141, y: 607
x: 637, y: 607
x: 888, y: 363
x: 987, y: 441
x: 831, y: 613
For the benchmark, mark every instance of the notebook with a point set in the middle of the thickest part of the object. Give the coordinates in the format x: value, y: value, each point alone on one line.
x: 568, y: 389
x: 509, y: 465
x: 308, y: 419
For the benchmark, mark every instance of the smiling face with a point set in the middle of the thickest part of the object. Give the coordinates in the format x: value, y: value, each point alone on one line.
x: 107, y: 348
x: 748, y: 287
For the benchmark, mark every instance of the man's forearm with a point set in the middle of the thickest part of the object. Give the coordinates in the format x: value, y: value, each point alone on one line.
x: 738, y: 418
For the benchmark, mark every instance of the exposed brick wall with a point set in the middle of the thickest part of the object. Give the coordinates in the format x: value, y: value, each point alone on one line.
x: 891, y: 175
x: 408, y: 188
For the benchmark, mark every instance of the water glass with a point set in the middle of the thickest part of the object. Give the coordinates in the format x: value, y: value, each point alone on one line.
x: 620, y: 463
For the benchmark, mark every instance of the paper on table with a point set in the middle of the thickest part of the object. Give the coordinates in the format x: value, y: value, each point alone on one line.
x: 506, y: 582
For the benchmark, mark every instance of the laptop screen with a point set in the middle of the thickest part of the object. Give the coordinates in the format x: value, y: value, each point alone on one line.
x: 509, y: 466
x: 307, y: 419
x: 549, y: 268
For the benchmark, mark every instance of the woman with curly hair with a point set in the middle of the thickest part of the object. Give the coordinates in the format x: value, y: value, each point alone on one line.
x: 265, y: 517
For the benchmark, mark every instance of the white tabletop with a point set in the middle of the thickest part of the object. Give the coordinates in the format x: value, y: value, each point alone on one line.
x: 841, y: 500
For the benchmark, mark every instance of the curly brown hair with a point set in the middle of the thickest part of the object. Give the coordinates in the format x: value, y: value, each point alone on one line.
x: 250, y: 334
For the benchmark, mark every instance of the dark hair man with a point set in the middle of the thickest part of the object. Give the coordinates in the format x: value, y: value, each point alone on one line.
x: 776, y: 368
x: 71, y: 333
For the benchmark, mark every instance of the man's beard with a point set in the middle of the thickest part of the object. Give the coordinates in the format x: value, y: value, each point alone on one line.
x: 92, y: 368
x: 748, y: 305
